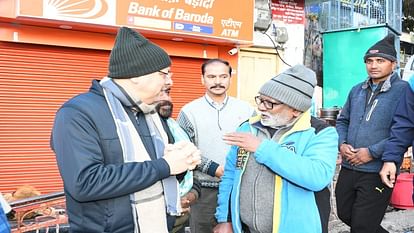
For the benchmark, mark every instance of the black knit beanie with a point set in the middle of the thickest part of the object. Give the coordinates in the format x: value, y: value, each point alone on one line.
x: 133, y: 55
x: 384, y: 48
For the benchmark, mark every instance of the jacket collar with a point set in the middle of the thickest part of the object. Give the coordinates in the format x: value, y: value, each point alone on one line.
x: 96, y: 88
x: 387, y: 83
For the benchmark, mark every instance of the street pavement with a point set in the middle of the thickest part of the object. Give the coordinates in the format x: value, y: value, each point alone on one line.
x: 395, y: 221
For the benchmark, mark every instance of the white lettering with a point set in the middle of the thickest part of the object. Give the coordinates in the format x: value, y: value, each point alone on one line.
x: 230, y: 33
x: 180, y: 14
x: 179, y: 26
x: 135, y: 8
x: 196, y: 28
x: 208, y: 4
x: 230, y: 23
x: 167, y: 13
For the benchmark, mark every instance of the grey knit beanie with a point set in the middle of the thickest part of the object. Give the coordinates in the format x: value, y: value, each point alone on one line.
x: 133, y: 55
x: 384, y: 48
x: 294, y: 87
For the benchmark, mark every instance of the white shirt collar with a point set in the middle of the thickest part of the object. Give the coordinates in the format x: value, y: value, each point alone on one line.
x: 216, y: 105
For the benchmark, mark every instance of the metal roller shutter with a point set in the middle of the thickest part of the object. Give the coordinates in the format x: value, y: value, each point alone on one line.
x: 34, y: 81
x: 187, y: 81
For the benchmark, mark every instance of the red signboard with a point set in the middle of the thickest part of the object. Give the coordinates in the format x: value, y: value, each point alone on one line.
x: 289, y: 11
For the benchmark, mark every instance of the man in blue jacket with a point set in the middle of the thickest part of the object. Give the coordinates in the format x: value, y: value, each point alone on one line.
x: 363, y: 127
x: 277, y: 161
x: 402, y: 136
x: 112, y: 149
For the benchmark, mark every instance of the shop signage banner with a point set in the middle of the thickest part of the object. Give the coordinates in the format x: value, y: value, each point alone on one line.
x: 222, y: 19
x: 289, y: 11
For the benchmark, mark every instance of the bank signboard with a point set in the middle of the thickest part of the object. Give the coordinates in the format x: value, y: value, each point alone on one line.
x: 221, y: 19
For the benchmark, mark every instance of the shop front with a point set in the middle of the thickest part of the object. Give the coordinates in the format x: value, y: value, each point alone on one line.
x: 51, y: 50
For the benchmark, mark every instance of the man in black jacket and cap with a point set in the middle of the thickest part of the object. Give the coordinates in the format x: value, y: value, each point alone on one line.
x: 117, y: 166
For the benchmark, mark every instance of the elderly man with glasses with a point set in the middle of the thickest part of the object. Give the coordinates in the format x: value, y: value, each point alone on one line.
x: 277, y: 161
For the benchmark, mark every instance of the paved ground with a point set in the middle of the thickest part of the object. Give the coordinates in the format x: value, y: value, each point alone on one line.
x: 395, y: 220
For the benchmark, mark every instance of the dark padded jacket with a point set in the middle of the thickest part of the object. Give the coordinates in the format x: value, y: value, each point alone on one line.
x: 97, y: 182
x: 402, y: 130
x: 367, y: 125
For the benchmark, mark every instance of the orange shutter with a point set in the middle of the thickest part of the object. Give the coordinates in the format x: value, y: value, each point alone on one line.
x: 34, y: 82
x: 186, y: 82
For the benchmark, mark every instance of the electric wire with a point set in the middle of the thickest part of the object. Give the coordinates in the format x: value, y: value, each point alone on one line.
x: 277, y: 51
x: 264, y: 32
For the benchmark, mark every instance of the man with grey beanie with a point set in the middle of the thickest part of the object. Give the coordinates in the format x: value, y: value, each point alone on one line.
x: 277, y: 161
x: 112, y: 150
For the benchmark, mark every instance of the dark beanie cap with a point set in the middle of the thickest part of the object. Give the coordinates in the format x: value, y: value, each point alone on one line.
x: 294, y: 87
x: 133, y: 55
x: 384, y: 48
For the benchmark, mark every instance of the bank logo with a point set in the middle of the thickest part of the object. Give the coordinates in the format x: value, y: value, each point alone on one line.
x: 82, y: 10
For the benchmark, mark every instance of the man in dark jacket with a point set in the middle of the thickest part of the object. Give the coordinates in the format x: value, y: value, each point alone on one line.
x: 363, y: 127
x: 402, y: 136
x: 111, y: 148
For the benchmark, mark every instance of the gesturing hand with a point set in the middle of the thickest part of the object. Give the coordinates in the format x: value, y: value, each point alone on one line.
x: 244, y: 140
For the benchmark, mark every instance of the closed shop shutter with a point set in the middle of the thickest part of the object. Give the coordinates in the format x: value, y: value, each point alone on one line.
x: 187, y: 81
x: 34, y: 81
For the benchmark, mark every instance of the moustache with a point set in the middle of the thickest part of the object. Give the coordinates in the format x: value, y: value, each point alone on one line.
x: 266, y: 114
x: 218, y: 85
x: 165, y: 103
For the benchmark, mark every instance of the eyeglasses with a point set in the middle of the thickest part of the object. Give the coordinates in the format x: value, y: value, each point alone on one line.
x: 166, y: 74
x: 166, y: 90
x: 268, y: 104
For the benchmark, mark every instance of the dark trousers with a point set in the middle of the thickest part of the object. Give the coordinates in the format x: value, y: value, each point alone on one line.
x: 202, y: 219
x: 323, y: 201
x: 361, y: 200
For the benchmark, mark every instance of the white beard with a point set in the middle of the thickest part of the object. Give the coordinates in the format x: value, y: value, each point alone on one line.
x: 274, y: 120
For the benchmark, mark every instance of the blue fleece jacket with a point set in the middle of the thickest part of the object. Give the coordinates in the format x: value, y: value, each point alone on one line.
x: 402, y: 130
x: 303, y: 162
x: 365, y: 125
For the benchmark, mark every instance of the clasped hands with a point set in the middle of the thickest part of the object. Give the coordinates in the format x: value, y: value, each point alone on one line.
x: 182, y: 156
x: 355, y: 156
x: 360, y: 156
